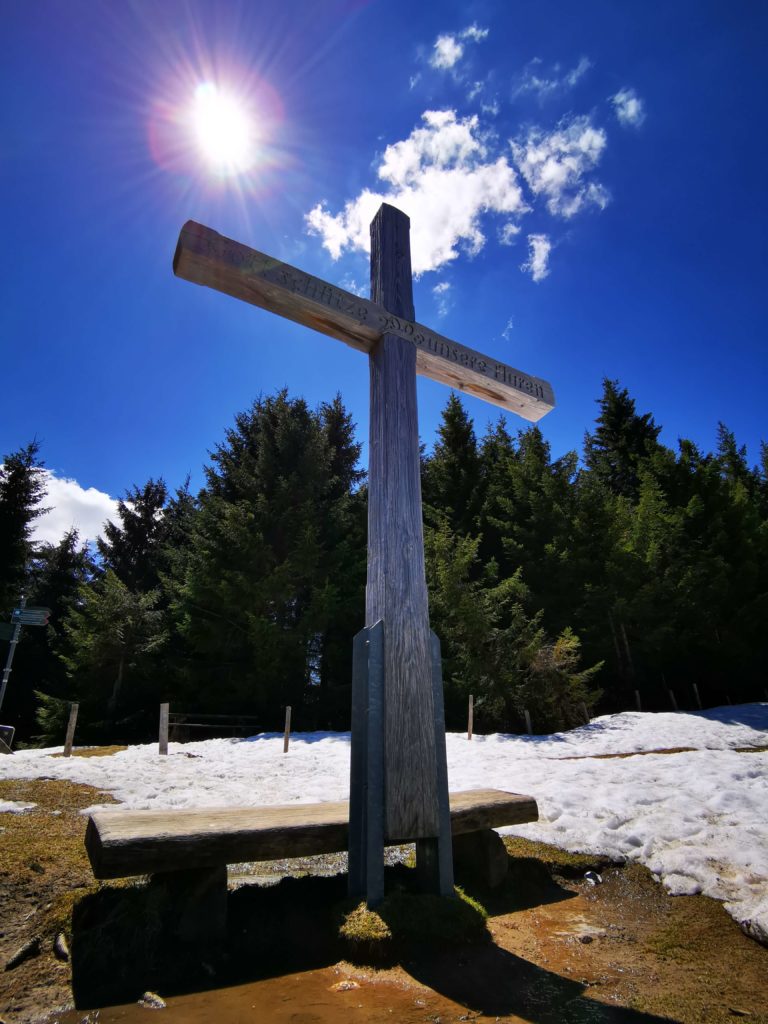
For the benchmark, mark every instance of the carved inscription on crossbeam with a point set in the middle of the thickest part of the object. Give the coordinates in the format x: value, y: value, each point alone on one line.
x: 206, y: 257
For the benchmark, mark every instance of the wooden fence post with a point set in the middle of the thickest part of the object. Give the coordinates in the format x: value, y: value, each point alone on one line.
x: 528, y: 722
x: 163, y: 741
x: 287, y: 733
x: 696, y: 695
x: 73, y: 709
x: 470, y: 716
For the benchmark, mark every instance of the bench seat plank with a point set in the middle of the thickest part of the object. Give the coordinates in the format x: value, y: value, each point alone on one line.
x: 124, y: 843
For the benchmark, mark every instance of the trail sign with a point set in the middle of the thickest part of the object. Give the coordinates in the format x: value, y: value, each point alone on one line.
x: 399, y: 786
x: 31, y: 616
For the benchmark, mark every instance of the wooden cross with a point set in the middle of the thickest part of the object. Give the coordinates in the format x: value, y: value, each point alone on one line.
x: 414, y: 773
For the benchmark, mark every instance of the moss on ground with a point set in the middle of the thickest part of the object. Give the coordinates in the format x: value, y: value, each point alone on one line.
x: 557, y: 862
x: 95, y: 751
x: 408, y: 919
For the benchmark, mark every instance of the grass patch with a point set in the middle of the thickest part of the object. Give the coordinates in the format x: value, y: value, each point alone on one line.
x: 95, y: 751
x: 42, y: 851
x: 556, y: 861
x: 406, y: 919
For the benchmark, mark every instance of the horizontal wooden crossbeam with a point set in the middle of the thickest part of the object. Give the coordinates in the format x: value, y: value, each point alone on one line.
x: 124, y: 843
x: 205, y: 257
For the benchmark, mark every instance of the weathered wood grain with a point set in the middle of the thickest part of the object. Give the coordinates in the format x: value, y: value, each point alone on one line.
x: 71, y: 726
x: 125, y: 843
x: 205, y: 257
x: 396, y: 590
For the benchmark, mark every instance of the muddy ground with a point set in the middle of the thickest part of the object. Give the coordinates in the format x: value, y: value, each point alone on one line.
x: 555, y: 947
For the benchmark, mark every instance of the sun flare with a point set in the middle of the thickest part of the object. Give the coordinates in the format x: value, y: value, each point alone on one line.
x: 225, y: 132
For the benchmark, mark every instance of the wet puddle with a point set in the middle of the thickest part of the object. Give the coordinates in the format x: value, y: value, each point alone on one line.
x: 325, y: 996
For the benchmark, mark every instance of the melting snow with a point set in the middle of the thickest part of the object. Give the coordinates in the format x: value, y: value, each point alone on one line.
x: 698, y: 819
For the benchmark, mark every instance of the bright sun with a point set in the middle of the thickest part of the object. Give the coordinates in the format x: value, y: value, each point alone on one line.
x: 225, y: 133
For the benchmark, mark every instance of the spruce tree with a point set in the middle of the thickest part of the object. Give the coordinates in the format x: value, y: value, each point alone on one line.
x: 266, y: 575
x: 622, y: 440
x: 451, y: 475
x: 55, y: 575
x: 113, y: 635
x: 132, y: 547
x: 22, y: 488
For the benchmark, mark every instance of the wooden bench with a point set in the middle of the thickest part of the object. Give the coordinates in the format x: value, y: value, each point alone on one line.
x: 187, y: 852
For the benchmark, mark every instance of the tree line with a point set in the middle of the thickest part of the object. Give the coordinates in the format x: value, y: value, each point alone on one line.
x: 554, y: 582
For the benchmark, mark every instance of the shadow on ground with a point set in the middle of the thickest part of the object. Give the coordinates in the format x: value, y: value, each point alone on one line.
x: 121, y: 946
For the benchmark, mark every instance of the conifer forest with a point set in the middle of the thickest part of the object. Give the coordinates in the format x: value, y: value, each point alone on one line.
x: 556, y: 584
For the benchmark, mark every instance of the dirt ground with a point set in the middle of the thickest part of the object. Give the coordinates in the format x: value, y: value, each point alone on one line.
x: 557, y: 948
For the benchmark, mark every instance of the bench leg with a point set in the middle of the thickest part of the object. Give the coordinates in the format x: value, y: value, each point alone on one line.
x: 481, y: 856
x: 194, y: 907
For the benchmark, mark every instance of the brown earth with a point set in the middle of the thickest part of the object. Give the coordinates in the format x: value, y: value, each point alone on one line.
x: 557, y: 948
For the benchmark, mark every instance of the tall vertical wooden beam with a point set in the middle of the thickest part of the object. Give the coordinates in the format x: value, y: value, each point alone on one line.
x: 397, y: 589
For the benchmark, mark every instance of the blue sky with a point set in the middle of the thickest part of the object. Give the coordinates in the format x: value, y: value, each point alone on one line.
x: 586, y: 185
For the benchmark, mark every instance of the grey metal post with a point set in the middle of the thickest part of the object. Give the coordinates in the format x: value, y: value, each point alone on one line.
x: 696, y: 695
x: 637, y: 700
x: 11, y: 652
x: 673, y: 699
x: 528, y: 722
x: 470, y: 716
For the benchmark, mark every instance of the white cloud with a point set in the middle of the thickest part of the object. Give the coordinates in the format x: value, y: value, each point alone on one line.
x: 351, y: 285
x: 507, y: 332
x: 442, y: 294
x: 629, y: 108
x: 555, y: 165
x: 449, y: 49
x: 508, y: 233
x: 71, y: 505
x: 475, y: 33
x: 444, y: 178
x: 539, y: 248
x: 557, y: 81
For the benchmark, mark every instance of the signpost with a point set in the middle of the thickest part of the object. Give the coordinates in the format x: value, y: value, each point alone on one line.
x: 31, y: 616
x: 399, y: 786
x: 21, y: 616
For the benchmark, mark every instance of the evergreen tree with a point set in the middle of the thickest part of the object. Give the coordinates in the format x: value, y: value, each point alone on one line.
x: 22, y: 487
x: 268, y: 570
x: 528, y: 512
x: 132, y: 548
x: 492, y: 647
x: 55, y: 576
x: 113, y: 634
x: 451, y: 475
x: 621, y: 441
x: 343, y: 571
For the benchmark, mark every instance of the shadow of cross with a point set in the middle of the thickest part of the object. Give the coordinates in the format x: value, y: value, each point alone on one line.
x: 399, y: 788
